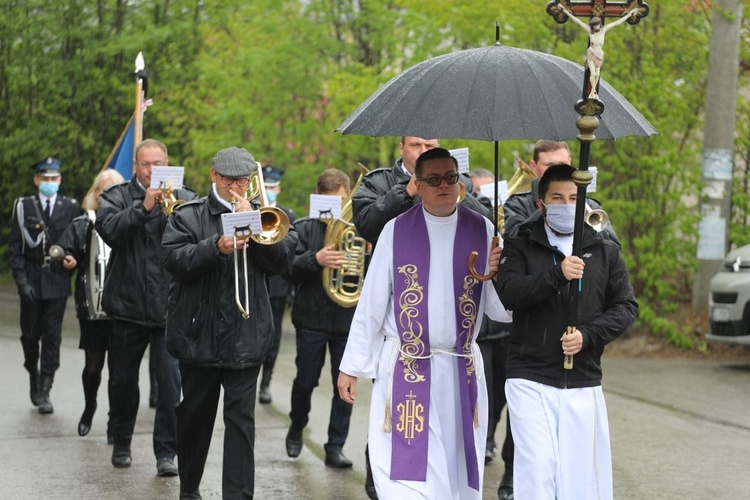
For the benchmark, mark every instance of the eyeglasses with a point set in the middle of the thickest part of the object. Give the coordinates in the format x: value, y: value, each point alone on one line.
x: 241, y: 181
x: 146, y: 164
x: 436, y: 180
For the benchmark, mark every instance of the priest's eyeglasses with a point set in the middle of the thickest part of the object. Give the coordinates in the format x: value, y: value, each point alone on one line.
x: 436, y: 180
x: 241, y: 181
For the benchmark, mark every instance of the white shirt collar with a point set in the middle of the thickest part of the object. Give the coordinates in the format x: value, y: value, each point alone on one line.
x: 219, y: 198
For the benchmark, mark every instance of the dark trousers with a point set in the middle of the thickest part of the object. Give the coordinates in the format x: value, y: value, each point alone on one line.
x: 196, y: 415
x: 311, y: 356
x: 41, y: 320
x: 129, y: 343
x: 495, y: 355
x: 278, y: 306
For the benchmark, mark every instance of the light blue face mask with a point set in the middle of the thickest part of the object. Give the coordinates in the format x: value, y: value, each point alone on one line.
x: 48, y: 188
x: 561, y: 217
x: 271, y: 195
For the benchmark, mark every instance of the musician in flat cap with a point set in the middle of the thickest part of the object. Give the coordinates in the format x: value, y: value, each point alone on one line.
x: 37, y: 223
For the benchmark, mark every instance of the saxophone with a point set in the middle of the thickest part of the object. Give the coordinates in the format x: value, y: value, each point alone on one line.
x: 344, y: 285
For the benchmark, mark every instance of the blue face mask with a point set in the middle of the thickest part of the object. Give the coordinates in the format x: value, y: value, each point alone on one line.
x: 48, y: 188
x: 561, y: 217
x: 271, y: 195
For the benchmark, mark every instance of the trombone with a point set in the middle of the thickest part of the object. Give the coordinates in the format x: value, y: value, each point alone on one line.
x: 274, y: 227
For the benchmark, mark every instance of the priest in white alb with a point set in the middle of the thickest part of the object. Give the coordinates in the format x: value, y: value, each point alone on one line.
x: 414, y: 332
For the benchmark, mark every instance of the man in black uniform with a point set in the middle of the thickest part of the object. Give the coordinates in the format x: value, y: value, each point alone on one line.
x: 217, y: 347
x: 131, y: 220
x: 319, y: 322
x: 37, y: 223
x: 278, y: 287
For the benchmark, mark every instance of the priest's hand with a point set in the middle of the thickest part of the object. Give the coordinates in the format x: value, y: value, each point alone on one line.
x: 347, y: 387
x: 495, y: 254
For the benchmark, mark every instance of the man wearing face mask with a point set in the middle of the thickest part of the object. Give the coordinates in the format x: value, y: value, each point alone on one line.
x: 278, y: 288
x: 558, y: 415
x: 37, y: 223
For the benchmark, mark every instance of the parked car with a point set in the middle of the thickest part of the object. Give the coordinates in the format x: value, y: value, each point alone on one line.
x: 729, y: 299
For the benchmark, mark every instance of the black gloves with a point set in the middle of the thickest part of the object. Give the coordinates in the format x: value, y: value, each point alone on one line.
x: 26, y: 292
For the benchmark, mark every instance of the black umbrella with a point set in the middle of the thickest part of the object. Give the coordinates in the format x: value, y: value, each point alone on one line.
x: 491, y: 94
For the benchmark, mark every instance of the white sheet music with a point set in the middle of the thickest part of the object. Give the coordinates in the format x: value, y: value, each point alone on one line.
x: 167, y: 177
x: 325, y: 206
x: 462, y: 157
x: 241, y: 223
x: 591, y: 188
x: 489, y: 191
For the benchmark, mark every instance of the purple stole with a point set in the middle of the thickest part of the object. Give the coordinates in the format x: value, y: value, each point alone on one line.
x: 410, y: 394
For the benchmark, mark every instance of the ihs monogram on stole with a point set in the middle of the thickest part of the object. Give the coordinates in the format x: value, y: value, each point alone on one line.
x: 410, y: 417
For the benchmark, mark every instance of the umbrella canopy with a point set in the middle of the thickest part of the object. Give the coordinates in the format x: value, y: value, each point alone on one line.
x: 493, y: 93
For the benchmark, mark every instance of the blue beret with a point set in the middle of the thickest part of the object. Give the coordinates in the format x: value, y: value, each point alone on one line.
x: 272, y: 175
x: 49, y: 167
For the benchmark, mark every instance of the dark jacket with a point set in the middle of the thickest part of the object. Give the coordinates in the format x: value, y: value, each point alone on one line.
x: 520, y: 207
x: 136, y: 284
x: 312, y: 308
x: 27, y: 262
x: 76, y: 241
x: 204, y: 325
x: 530, y: 282
x: 382, y: 197
x: 278, y: 286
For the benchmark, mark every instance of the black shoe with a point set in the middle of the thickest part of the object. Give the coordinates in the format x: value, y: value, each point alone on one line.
x: 294, y: 442
x: 370, y: 490
x: 165, y: 467
x: 337, y: 460
x: 190, y: 495
x: 264, y: 397
x: 505, y: 491
x: 34, y: 387
x: 121, y: 456
x: 84, y: 425
x: 45, y: 406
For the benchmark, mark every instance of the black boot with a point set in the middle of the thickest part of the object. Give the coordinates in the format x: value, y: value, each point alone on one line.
x: 90, y: 388
x: 45, y: 406
x: 34, y: 387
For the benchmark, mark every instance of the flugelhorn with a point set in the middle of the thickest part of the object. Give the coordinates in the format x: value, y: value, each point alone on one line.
x: 168, y: 201
x: 344, y: 285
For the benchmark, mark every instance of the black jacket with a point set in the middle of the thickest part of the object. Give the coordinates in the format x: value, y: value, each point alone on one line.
x: 530, y: 282
x: 520, y: 207
x: 312, y: 308
x: 136, y: 285
x: 382, y: 197
x: 204, y: 325
x: 278, y: 286
x: 76, y: 242
x: 27, y: 262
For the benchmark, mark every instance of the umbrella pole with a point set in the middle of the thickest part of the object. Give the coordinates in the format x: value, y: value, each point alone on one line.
x: 582, y: 178
x: 495, y: 239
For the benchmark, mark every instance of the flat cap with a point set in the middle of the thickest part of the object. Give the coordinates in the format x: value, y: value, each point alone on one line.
x: 234, y: 162
x: 49, y: 167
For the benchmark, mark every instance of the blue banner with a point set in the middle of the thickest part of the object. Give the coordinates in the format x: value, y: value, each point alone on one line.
x: 121, y: 157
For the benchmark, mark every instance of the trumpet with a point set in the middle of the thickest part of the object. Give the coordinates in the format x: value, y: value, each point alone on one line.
x: 274, y: 227
x: 596, y: 218
x: 168, y: 201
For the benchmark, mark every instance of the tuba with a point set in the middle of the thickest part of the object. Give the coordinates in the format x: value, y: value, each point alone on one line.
x: 344, y: 285
x: 519, y: 183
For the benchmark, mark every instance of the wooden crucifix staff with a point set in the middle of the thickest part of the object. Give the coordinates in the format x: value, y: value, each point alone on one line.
x: 589, y: 107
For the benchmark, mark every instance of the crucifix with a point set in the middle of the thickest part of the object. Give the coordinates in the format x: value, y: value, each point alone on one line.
x: 589, y: 107
x: 598, y: 10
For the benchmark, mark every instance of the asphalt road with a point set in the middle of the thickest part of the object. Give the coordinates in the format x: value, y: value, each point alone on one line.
x: 680, y: 430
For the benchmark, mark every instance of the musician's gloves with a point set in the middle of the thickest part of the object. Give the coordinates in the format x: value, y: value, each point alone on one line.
x: 26, y: 291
